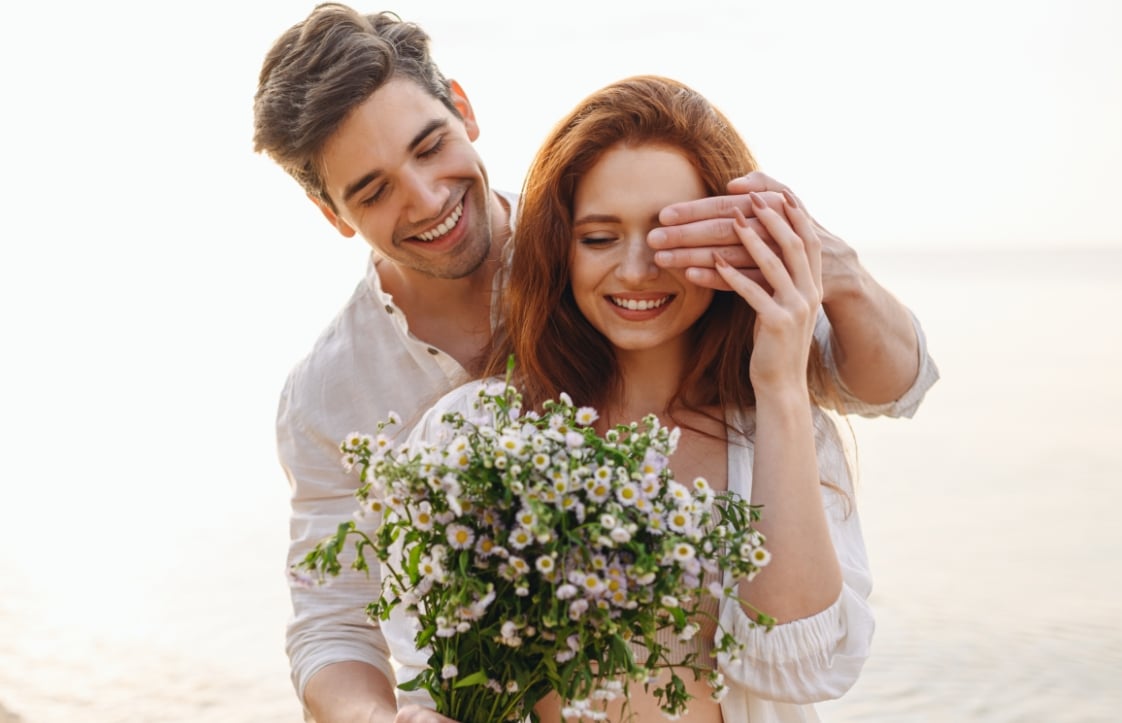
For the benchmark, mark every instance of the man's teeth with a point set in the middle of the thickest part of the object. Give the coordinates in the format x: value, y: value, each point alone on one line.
x: 445, y: 225
x: 639, y: 304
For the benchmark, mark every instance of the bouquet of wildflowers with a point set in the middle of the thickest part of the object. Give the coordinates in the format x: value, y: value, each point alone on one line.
x: 533, y: 552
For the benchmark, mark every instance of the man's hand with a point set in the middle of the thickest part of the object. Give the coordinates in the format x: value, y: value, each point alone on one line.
x: 874, y: 344
x: 694, y: 231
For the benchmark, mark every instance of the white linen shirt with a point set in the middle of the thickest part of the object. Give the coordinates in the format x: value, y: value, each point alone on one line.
x: 780, y: 673
x: 365, y: 365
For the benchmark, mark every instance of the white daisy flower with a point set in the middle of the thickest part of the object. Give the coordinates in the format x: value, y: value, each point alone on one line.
x: 586, y: 416
x: 460, y: 537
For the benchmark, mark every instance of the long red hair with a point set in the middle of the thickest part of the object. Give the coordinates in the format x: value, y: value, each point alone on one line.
x: 554, y: 347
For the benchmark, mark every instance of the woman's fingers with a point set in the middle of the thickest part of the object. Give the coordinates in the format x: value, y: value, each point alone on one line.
x: 802, y: 224
x: 791, y: 244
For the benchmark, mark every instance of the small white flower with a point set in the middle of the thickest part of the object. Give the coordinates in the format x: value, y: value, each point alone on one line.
x: 526, y: 517
x: 761, y: 557
x: 566, y: 591
x: 449, y: 671
x: 520, y: 537
x: 684, y: 551
x: 574, y: 440
x: 599, y: 491
x: 689, y: 632
x: 669, y: 601
x: 678, y: 492
x: 628, y: 494
x: 521, y: 567
x: 460, y: 537
x: 620, y: 535
x: 586, y: 416
x: 422, y: 517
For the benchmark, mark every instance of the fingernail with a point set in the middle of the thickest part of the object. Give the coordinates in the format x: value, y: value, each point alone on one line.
x: 663, y: 258
x: 790, y: 198
x: 738, y: 216
x: 656, y: 236
x: 757, y: 202
x: 668, y: 216
x: 720, y: 261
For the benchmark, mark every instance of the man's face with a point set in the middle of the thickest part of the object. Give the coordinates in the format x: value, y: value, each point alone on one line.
x: 404, y: 175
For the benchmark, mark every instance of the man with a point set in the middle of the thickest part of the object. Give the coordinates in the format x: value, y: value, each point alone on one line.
x: 353, y: 107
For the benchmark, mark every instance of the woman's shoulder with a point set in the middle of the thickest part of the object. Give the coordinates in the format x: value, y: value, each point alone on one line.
x: 460, y: 399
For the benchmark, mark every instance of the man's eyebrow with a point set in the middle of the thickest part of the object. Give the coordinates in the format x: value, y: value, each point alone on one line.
x: 432, y: 126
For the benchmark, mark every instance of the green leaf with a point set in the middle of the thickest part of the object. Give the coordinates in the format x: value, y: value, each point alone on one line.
x: 476, y: 678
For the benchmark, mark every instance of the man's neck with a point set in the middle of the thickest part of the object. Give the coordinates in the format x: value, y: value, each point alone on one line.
x: 451, y: 314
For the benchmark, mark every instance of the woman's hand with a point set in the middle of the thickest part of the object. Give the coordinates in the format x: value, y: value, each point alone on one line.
x: 788, y: 295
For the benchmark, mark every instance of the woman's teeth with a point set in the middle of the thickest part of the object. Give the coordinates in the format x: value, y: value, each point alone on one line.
x: 639, y: 304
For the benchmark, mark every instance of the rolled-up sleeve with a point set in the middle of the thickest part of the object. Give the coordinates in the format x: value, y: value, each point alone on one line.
x: 908, y: 403
x: 328, y: 624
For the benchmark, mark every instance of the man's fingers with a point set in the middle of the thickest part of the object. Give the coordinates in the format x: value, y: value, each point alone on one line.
x: 711, y: 207
x: 709, y: 278
x: 758, y: 182
x: 710, y: 232
x: 681, y: 258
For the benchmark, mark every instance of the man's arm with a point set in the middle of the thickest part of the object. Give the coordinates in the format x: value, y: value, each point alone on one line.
x: 350, y: 692
x: 873, y: 336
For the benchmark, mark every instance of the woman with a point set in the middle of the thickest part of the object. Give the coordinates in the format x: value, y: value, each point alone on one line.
x: 587, y: 312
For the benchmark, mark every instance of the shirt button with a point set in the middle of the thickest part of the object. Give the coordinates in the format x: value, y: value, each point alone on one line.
x: 434, y: 352
x: 389, y: 309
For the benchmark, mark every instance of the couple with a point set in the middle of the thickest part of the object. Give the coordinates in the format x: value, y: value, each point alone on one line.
x: 737, y: 353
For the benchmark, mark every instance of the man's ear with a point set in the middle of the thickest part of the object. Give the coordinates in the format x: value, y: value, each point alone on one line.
x: 460, y: 100
x: 332, y: 218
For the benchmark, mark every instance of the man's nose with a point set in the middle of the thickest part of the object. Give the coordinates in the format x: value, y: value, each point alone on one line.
x: 426, y: 196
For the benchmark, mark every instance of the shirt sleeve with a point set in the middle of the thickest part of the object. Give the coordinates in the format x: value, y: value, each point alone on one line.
x: 908, y: 403
x: 329, y: 622
x: 819, y: 657
x: 401, y: 630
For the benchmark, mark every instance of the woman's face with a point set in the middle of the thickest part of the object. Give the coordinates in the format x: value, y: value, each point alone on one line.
x: 635, y: 304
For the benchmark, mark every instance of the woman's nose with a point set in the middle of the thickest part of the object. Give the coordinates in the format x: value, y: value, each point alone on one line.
x: 637, y: 264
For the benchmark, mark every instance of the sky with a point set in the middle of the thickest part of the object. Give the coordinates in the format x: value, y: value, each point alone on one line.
x: 158, y: 278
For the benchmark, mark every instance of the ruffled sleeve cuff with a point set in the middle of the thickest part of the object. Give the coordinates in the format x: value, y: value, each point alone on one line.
x: 805, y: 661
